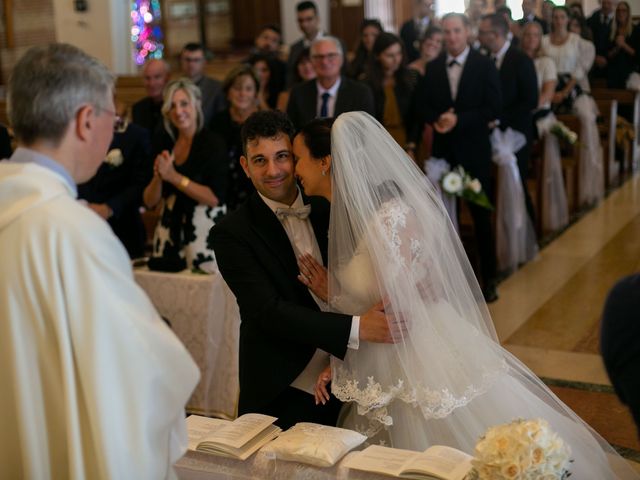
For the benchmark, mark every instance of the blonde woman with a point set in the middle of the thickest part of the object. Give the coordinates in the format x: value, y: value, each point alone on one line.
x: 190, y: 176
x: 624, y: 44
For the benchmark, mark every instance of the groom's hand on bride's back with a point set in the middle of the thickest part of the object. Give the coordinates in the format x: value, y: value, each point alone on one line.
x: 378, y: 326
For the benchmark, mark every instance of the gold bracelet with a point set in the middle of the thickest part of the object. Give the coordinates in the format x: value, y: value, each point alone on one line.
x: 184, y: 182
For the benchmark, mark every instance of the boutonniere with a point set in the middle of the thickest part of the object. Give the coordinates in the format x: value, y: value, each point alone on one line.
x: 114, y: 158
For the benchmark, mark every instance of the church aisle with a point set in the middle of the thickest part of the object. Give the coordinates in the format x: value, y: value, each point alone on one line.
x: 548, y: 314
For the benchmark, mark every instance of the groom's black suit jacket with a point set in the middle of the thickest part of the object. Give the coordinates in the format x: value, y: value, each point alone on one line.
x: 281, y: 325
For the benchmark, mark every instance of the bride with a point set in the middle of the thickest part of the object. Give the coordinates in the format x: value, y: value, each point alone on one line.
x: 446, y: 379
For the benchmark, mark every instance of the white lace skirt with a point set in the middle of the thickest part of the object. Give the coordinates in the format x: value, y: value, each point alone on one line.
x: 458, y: 417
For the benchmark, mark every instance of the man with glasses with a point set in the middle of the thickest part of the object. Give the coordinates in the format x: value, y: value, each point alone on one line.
x: 192, y: 63
x: 330, y: 93
x: 94, y: 383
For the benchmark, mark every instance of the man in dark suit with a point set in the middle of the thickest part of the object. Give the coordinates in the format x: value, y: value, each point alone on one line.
x: 413, y: 30
x: 620, y: 342
x: 459, y: 96
x: 330, y: 93
x: 115, y: 191
x: 192, y: 64
x: 147, y: 112
x: 519, y: 86
x: 529, y: 15
x: 284, y: 337
x: 600, y: 23
x: 309, y: 24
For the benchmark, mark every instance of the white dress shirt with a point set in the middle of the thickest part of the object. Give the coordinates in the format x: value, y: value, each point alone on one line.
x: 454, y: 72
x: 331, y: 103
x: 499, y: 56
x: 303, y: 240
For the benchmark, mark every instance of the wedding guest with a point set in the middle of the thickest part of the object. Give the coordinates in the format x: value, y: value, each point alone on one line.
x: 190, y: 175
x: 567, y: 50
x: 513, y: 33
x: 620, y: 342
x: 309, y: 24
x: 412, y: 30
x: 518, y: 83
x: 474, y: 13
x: 529, y: 15
x: 600, y: 23
x: 369, y: 31
x: 586, y: 48
x: 192, y: 64
x: 115, y: 191
x: 624, y: 46
x: 303, y: 71
x: 268, y: 41
x: 546, y: 10
x: 333, y: 92
x: 459, y: 95
x: 94, y: 382
x: 271, y: 78
x: 241, y: 87
x: 392, y: 84
x: 430, y: 48
x: 285, y: 336
x: 545, y: 68
x: 579, y: 26
x: 147, y: 112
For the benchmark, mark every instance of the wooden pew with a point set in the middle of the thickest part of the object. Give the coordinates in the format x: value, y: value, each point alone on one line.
x: 607, y: 128
x: 629, y: 98
x: 571, y: 163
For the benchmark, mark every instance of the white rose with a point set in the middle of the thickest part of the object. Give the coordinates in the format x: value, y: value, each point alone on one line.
x: 475, y: 185
x: 114, y: 157
x: 452, y: 183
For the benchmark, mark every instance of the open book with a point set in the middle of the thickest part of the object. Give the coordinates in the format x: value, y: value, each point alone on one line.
x: 437, y: 462
x: 236, y: 439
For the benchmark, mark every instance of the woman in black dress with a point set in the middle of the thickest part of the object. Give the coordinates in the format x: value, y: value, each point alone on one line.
x: 190, y: 175
x: 624, y: 44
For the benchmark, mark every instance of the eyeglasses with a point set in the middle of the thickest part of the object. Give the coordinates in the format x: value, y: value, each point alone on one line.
x: 329, y: 56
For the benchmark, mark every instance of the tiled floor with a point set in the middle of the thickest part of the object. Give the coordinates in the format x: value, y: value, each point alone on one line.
x: 548, y: 314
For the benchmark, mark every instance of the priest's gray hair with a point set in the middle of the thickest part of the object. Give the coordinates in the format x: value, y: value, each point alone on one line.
x: 48, y: 86
x: 328, y: 38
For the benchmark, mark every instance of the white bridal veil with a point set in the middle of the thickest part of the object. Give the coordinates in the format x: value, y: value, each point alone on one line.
x: 446, y: 379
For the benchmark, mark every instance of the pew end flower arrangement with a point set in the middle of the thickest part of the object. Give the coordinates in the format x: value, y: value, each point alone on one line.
x: 459, y: 183
x: 521, y: 450
x: 564, y: 133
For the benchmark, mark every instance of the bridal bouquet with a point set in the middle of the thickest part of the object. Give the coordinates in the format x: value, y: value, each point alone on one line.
x: 521, y: 450
x: 563, y: 133
x: 459, y: 183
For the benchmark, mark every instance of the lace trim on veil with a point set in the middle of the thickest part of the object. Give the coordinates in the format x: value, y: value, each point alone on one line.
x: 372, y: 402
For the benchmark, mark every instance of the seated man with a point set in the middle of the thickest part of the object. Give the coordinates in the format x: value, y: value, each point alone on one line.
x: 94, y: 383
x: 192, y: 63
x: 147, y: 112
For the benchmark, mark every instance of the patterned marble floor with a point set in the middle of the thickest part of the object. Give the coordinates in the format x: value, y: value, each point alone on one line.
x: 548, y: 314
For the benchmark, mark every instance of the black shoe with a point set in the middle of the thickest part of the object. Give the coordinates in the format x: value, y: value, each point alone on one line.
x: 490, y: 293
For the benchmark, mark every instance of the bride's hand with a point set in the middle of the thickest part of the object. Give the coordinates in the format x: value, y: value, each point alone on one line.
x: 320, y: 389
x: 313, y: 276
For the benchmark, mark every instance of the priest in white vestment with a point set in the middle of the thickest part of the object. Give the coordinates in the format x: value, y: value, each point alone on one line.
x: 93, y: 384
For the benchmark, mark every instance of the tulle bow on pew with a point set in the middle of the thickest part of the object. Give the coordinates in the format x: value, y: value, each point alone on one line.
x: 515, y: 236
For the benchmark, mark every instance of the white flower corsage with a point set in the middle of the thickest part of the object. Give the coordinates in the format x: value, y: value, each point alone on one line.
x: 114, y: 157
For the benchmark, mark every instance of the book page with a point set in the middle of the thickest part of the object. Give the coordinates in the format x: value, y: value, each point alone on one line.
x: 244, y: 428
x: 199, y: 427
x: 440, y: 461
x: 385, y: 460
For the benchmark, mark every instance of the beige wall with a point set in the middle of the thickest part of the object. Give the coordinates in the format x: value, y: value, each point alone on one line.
x: 101, y: 31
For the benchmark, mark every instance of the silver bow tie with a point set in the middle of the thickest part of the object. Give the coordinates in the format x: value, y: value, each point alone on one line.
x: 301, y: 213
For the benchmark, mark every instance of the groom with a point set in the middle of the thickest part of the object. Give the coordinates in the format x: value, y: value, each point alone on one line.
x: 285, y: 339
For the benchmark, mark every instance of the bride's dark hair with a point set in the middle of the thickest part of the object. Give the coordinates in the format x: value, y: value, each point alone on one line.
x: 317, y: 136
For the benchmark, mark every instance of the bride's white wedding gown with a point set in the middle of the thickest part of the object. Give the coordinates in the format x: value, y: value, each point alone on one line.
x: 463, y: 381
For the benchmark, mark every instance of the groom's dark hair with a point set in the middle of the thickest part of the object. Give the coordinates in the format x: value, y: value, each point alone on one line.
x: 265, y: 124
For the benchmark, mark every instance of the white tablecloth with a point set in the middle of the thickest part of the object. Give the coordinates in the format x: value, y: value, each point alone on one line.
x: 204, y: 315
x: 203, y: 466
